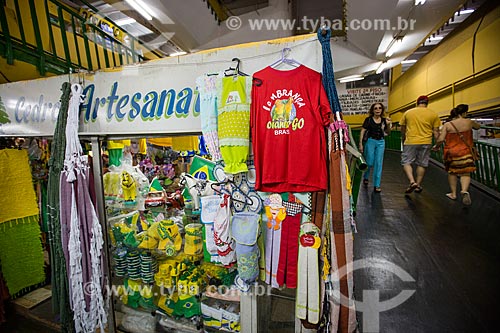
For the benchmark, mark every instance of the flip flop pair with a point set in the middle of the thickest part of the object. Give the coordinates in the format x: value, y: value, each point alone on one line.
x: 411, y: 188
x: 450, y: 196
x: 466, y: 200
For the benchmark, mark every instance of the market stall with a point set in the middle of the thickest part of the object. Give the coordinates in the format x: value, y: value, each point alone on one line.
x: 193, y: 216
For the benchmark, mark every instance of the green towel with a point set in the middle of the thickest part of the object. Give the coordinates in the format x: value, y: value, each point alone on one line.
x: 21, y: 254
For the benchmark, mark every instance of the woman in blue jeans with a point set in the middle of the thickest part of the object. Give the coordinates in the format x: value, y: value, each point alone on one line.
x: 372, y: 143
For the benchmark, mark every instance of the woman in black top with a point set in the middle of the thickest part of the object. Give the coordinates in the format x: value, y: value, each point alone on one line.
x: 372, y: 143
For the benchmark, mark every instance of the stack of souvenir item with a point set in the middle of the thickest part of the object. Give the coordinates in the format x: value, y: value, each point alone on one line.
x: 148, y: 267
x: 193, y: 240
x: 120, y: 260
x: 133, y: 265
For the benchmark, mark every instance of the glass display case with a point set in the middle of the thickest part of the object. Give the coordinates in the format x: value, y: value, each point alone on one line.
x: 164, y: 278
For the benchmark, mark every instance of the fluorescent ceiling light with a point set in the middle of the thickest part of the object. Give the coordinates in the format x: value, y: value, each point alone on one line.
x: 465, y: 11
x: 125, y: 21
x: 351, y: 78
x: 175, y: 54
x: 141, y: 8
x: 406, y: 62
x: 435, y: 38
x: 419, y: 2
x: 146, y: 7
x: 381, y: 67
x: 396, y: 44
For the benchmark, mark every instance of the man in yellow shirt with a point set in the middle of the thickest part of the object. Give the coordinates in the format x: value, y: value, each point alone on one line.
x: 418, y: 125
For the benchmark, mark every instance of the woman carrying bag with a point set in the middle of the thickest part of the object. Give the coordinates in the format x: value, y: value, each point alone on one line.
x: 372, y: 144
x: 459, y: 154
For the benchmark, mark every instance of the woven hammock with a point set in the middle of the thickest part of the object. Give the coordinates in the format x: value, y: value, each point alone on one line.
x: 60, y: 293
x: 83, y: 243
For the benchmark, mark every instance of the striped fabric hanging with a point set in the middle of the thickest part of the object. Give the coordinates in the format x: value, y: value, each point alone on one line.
x: 342, y: 318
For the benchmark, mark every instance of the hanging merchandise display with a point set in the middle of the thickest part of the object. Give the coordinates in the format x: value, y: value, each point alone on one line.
x: 289, y: 114
x: 84, y: 235
x: 287, y: 266
x: 245, y: 229
x: 207, y: 88
x: 21, y: 253
x: 276, y: 213
x: 233, y: 122
x: 60, y: 287
x: 209, y: 208
x: 308, y: 287
x: 222, y: 235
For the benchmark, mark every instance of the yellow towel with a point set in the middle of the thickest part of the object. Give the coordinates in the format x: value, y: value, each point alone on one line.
x: 182, y: 143
x: 143, y: 147
x: 118, y: 144
x: 164, y: 142
x: 178, y: 143
x: 17, y: 199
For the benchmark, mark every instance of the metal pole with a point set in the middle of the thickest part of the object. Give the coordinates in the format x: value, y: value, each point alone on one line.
x: 248, y: 311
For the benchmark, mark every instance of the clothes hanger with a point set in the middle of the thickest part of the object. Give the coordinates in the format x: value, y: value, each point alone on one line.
x: 306, y: 209
x: 248, y: 200
x: 216, y: 187
x: 236, y: 70
x: 285, y: 60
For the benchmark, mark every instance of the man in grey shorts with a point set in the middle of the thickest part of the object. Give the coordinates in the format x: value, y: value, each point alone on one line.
x: 418, y: 125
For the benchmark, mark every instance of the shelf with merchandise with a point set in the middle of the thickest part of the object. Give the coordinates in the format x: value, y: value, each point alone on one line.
x: 159, y: 263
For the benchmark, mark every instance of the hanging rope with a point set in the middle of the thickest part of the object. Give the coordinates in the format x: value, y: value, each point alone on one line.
x: 328, y: 74
x: 338, y: 125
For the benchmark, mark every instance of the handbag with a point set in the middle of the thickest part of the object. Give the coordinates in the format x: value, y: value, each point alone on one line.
x: 473, y: 150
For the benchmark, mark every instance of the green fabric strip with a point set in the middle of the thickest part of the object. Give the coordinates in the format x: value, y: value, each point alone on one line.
x: 21, y: 253
x: 60, y: 288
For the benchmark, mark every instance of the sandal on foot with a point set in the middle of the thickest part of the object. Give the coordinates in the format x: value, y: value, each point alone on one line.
x: 365, y: 182
x: 466, y: 198
x: 411, y: 188
x: 377, y: 189
x: 418, y: 189
x: 450, y: 196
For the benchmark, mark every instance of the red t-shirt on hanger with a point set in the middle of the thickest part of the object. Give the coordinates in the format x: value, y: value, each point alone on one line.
x: 289, y: 113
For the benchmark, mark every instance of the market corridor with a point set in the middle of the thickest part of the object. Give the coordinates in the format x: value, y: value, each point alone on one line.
x: 451, y: 251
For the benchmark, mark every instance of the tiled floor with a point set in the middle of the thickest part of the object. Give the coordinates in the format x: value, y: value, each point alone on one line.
x: 452, y: 252
x: 39, y: 319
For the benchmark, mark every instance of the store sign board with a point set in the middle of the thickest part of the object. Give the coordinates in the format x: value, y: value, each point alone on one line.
x: 152, y: 98
x: 30, y: 107
x: 358, y: 100
x: 141, y: 102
